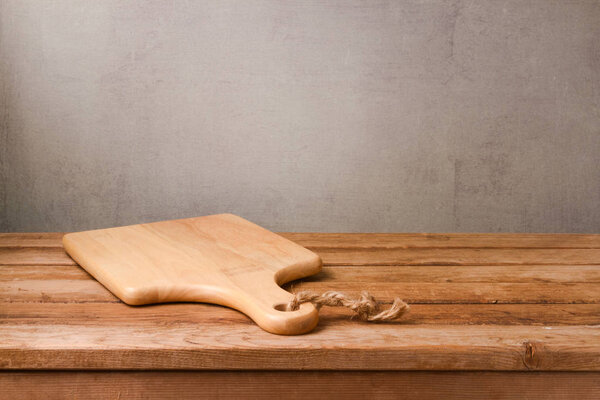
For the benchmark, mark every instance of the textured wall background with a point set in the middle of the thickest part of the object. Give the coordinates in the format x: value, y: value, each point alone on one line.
x: 301, y: 115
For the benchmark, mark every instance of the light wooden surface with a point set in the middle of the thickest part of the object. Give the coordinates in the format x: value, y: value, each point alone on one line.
x: 221, y: 259
x: 530, y: 308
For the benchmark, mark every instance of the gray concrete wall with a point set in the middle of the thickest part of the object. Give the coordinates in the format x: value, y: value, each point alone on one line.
x: 301, y: 115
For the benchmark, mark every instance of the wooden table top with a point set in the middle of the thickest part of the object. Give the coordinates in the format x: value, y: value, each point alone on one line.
x: 505, y: 302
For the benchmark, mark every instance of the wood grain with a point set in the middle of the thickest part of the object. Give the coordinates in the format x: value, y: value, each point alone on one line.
x: 469, y: 293
x: 335, y: 345
x: 371, y: 257
x: 55, y: 291
x: 415, y: 293
x: 494, y: 302
x: 300, y: 385
x: 57, y: 256
x: 117, y: 313
x: 380, y: 240
x: 16, y: 255
x: 451, y: 256
x: 317, y: 241
x: 392, y: 273
x: 457, y: 274
x: 50, y: 239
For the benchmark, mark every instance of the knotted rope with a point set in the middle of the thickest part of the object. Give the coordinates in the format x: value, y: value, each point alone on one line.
x: 365, y: 307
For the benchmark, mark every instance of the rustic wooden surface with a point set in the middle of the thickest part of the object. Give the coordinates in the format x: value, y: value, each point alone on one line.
x: 517, y: 302
x: 302, y: 385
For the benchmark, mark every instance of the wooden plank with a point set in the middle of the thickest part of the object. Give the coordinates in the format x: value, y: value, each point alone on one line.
x: 450, y: 273
x: 378, y: 240
x: 460, y: 256
x: 334, y: 345
x: 57, y: 256
x: 414, y: 293
x: 41, y: 239
x: 42, y: 272
x: 34, y: 255
x: 55, y: 291
x: 457, y: 293
x: 300, y: 385
x: 382, y: 273
x: 165, y: 314
x: 323, y: 241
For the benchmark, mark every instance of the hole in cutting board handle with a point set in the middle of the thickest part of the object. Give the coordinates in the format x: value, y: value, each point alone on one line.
x: 282, y: 307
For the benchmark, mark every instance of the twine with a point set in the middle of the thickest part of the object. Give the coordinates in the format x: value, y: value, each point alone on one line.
x: 365, y: 307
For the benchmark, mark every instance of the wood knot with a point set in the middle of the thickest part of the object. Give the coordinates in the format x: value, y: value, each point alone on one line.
x: 531, y: 357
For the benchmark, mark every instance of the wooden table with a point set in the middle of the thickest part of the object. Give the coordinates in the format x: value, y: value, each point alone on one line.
x: 493, y: 315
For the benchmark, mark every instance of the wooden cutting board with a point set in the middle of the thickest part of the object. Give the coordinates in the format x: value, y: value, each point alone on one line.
x: 221, y: 259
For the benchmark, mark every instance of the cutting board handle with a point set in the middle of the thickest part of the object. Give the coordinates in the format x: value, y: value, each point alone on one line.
x: 265, y: 302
